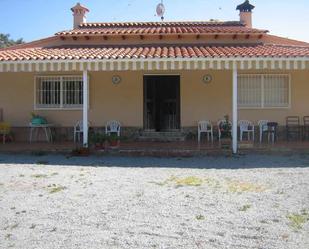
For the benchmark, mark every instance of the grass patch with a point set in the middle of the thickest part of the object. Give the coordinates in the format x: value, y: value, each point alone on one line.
x: 297, y: 220
x: 54, y: 174
x: 200, y: 217
x: 245, y: 207
x: 180, y: 182
x: 8, y: 236
x: 55, y: 189
x: 39, y: 176
x: 239, y: 187
x: 188, y: 181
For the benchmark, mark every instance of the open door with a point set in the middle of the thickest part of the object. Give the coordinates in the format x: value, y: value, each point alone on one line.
x: 162, y: 103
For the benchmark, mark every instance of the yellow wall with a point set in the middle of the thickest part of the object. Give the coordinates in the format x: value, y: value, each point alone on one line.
x: 124, y: 101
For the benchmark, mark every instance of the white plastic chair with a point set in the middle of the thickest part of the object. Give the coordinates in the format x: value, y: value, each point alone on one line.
x: 263, y: 128
x: 219, y: 124
x: 246, y: 126
x: 113, y: 126
x: 78, y: 130
x: 205, y: 127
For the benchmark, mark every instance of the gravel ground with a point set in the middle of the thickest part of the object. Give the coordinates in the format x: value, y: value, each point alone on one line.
x: 52, y: 201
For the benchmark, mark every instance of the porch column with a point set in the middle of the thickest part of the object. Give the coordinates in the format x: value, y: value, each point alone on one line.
x: 235, y: 110
x: 85, y: 108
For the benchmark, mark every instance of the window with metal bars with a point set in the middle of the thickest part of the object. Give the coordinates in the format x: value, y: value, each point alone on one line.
x: 59, y: 92
x: 263, y: 91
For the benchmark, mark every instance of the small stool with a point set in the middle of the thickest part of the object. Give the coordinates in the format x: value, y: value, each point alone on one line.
x: 272, y: 131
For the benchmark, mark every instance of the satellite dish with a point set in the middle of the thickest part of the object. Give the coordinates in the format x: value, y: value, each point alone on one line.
x: 161, y: 10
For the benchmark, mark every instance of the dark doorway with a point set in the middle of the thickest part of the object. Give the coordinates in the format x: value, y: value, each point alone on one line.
x: 162, y: 103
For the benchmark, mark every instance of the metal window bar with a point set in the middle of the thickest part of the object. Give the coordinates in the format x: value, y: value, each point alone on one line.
x: 263, y: 91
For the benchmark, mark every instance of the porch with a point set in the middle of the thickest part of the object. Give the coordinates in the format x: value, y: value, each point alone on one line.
x: 146, y: 148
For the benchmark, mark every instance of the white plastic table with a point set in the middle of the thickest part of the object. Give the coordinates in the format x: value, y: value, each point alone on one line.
x: 45, y: 127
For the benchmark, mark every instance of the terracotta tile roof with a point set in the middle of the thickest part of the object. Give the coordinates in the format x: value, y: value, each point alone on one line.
x: 131, y: 52
x: 277, y: 40
x: 144, y: 28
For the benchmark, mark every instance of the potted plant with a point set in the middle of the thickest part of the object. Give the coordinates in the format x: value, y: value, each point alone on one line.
x: 226, y: 133
x: 37, y: 120
x: 80, y: 151
x: 114, y: 140
x: 98, y: 140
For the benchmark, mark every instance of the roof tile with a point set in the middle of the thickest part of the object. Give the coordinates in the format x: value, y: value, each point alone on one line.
x: 164, y: 51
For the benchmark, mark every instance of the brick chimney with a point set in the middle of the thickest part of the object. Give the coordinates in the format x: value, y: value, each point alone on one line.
x: 79, y: 14
x: 245, y: 13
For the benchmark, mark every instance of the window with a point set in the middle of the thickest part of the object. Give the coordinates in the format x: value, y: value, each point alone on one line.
x: 263, y: 91
x: 59, y: 92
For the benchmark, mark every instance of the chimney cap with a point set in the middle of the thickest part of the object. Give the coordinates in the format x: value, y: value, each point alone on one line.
x: 245, y: 7
x: 78, y: 6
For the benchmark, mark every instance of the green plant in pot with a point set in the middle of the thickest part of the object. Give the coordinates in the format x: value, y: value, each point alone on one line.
x: 98, y: 140
x: 114, y: 140
x: 37, y: 120
x: 226, y: 133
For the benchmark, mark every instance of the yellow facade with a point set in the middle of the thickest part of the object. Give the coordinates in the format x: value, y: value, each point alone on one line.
x: 124, y: 101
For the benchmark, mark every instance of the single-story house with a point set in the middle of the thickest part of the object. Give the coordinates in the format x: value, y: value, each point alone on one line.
x: 157, y: 76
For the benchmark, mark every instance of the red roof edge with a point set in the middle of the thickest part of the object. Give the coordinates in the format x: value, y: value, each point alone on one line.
x: 32, y: 44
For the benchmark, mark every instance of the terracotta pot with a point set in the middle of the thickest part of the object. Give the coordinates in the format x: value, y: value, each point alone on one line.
x: 114, y: 143
x: 226, y: 143
x: 99, y: 146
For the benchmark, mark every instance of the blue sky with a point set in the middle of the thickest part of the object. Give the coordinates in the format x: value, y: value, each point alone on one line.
x: 35, y: 19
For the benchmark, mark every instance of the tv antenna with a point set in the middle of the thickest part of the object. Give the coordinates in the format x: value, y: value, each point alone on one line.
x: 161, y: 10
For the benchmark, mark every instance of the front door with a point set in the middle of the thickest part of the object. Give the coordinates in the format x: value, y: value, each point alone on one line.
x: 162, y: 103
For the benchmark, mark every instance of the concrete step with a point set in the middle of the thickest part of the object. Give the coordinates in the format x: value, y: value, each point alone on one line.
x: 161, y: 136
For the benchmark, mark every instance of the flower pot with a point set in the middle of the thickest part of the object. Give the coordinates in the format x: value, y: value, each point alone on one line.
x: 226, y: 143
x: 99, y: 146
x: 114, y: 143
x: 81, y: 152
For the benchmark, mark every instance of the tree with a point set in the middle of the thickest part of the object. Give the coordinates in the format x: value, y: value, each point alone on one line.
x: 5, y: 41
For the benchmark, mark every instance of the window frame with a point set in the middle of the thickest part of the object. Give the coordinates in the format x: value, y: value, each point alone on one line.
x: 62, y: 107
x: 263, y: 107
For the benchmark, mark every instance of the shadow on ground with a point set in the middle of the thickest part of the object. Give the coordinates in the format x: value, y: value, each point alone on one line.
x: 205, y: 162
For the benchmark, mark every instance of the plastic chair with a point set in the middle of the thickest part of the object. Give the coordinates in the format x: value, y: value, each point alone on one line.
x: 5, y: 129
x: 246, y: 126
x: 219, y: 123
x: 263, y: 128
x: 78, y: 130
x: 272, y: 131
x: 113, y: 126
x: 306, y: 127
x: 205, y: 127
x: 293, y: 127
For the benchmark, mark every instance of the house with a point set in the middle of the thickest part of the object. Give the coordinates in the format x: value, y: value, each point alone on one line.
x: 155, y: 75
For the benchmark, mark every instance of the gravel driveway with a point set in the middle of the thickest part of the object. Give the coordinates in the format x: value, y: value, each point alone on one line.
x: 119, y: 202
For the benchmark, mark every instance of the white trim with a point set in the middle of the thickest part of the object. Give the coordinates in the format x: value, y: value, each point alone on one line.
x: 61, y: 64
x: 204, y: 65
x: 134, y: 65
x: 104, y: 66
x: 85, y: 108
x: 303, y: 65
x: 235, y: 110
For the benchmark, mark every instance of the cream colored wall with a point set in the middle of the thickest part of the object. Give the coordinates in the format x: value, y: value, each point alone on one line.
x: 299, y: 101
x: 124, y: 101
